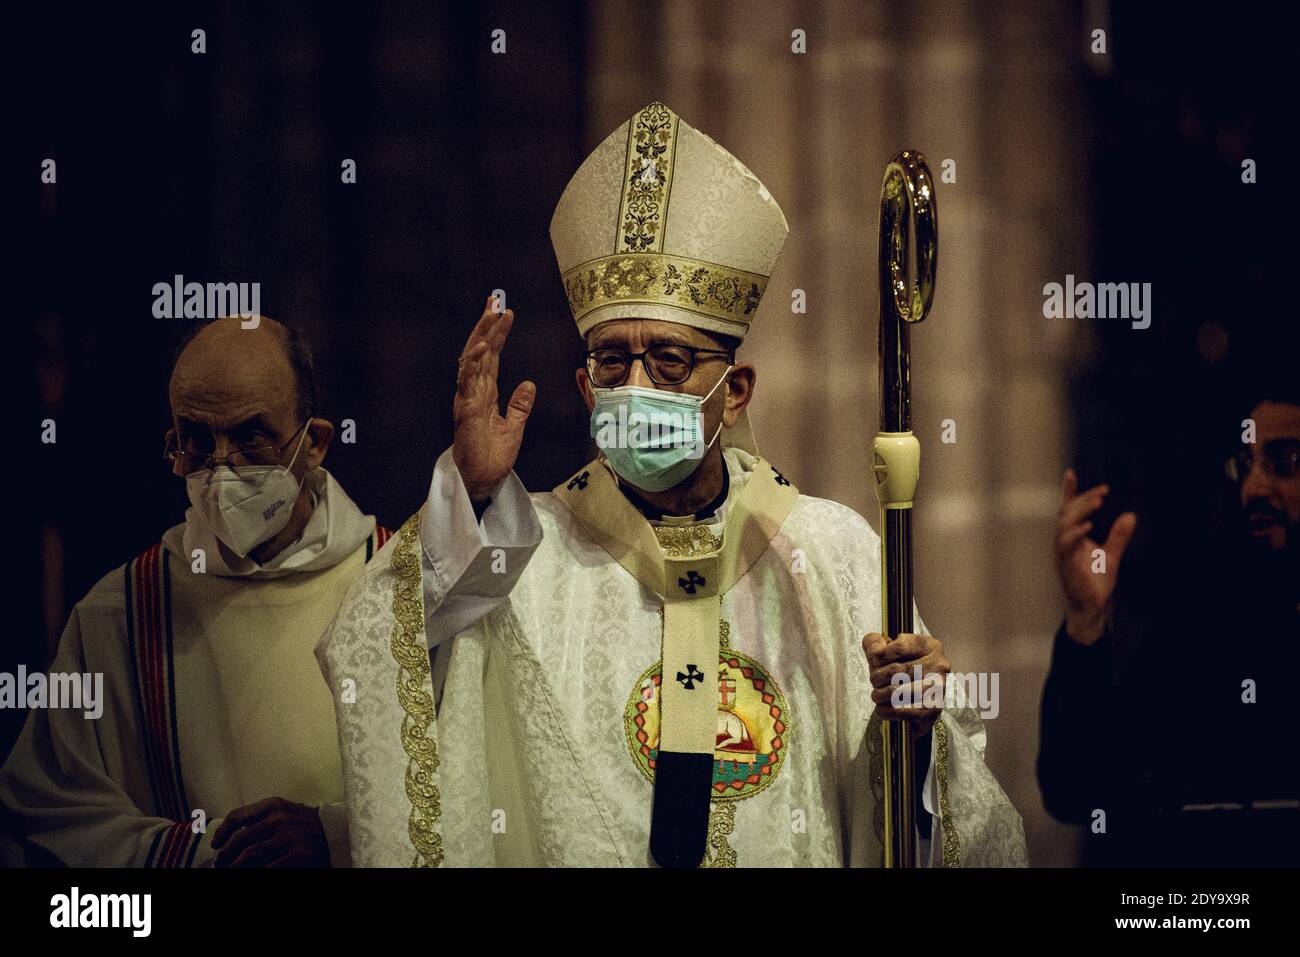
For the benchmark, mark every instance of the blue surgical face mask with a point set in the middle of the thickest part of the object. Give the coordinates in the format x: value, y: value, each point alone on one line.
x: 652, y: 439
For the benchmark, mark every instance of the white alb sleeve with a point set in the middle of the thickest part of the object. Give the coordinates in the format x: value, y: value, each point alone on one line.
x: 469, y: 567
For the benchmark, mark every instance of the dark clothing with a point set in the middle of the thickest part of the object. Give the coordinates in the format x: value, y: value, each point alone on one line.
x: 1154, y: 718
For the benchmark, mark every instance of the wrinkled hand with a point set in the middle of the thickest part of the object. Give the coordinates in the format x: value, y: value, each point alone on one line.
x: 271, y: 833
x: 901, y: 656
x: 1087, y: 592
x: 487, y: 443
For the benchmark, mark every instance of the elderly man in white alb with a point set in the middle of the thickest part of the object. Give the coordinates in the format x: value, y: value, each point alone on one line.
x: 216, y: 745
x: 662, y: 660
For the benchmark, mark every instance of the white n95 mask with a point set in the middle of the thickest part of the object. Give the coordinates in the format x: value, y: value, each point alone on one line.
x: 245, y: 508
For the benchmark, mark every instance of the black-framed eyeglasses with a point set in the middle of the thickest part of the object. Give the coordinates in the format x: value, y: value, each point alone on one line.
x: 665, y: 365
x: 243, y: 455
x: 1280, y: 457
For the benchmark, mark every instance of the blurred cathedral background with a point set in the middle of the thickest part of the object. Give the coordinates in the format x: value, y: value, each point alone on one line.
x: 1119, y: 166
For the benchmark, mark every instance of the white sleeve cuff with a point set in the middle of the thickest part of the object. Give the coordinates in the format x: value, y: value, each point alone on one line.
x: 470, y: 567
x: 334, y: 822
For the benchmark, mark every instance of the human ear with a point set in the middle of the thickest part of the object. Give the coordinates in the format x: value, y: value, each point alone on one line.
x: 584, y: 388
x: 740, y: 389
x: 320, y: 432
x: 168, y: 438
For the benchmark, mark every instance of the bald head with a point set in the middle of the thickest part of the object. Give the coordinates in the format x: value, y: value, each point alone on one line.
x: 246, y: 385
x: 225, y: 363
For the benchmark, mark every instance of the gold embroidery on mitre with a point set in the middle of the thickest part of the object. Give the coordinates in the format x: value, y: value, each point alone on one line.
x: 687, y: 541
x: 412, y: 656
x: 951, y: 844
x: 647, y: 180
x: 692, y: 285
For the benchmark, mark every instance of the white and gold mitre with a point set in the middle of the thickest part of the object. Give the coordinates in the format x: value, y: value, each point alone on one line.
x: 660, y: 222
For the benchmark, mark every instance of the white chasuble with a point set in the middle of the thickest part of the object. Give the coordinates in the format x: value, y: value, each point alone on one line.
x: 211, y: 700
x: 509, y: 683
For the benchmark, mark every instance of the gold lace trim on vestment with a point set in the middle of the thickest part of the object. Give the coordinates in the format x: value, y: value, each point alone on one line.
x: 416, y: 697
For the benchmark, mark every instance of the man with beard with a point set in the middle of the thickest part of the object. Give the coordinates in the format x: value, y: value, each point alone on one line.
x: 1215, y: 782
